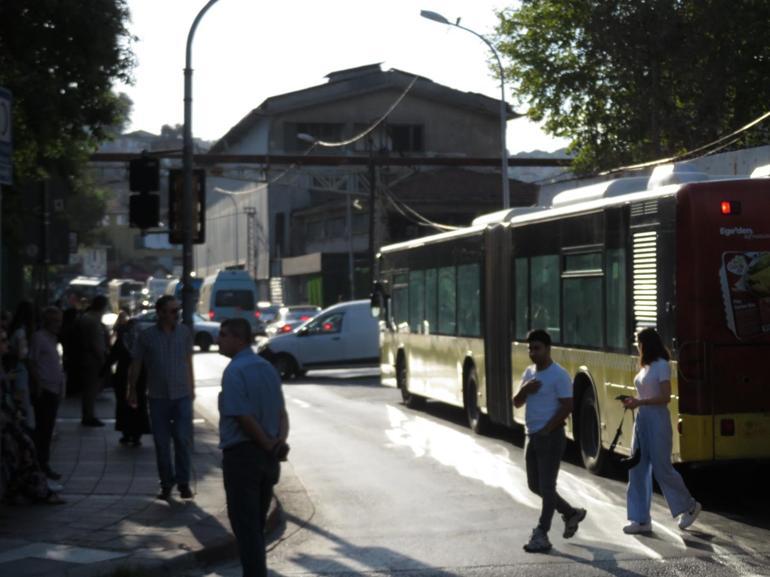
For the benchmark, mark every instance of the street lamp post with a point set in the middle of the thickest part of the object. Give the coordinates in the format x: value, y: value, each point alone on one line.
x: 436, y: 17
x: 187, y: 168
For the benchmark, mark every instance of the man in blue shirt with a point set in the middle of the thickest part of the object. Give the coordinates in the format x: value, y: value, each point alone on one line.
x: 253, y: 427
x: 546, y: 388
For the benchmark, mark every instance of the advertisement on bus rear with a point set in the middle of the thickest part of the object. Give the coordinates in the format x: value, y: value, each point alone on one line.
x: 745, y: 280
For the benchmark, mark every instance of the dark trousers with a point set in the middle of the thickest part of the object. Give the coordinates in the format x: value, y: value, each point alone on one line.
x: 543, y: 457
x: 92, y: 382
x: 249, y: 474
x: 46, y: 406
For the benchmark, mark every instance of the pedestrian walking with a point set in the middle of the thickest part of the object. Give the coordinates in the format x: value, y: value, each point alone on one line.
x: 653, y: 436
x: 253, y: 427
x: 546, y: 389
x: 133, y: 422
x: 46, y: 365
x: 94, y: 348
x: 164, y: 350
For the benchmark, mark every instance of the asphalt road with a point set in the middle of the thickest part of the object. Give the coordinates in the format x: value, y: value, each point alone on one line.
x: 377, y: 488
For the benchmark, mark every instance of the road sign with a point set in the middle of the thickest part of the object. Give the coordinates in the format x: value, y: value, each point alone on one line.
x: 6, y: 142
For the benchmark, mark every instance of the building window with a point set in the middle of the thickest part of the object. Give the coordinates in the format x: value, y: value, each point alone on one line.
x: 405, y: 137
x: 326, y: 131
x: 121, y: 220
x: 280, y: 234
x: 335, y: 228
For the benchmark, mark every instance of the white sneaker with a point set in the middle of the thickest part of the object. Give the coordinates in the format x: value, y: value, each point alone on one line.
x: 635, y: 528
x: 688, y: 517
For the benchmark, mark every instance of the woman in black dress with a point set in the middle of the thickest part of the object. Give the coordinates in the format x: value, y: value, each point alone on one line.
x: 132, y: 422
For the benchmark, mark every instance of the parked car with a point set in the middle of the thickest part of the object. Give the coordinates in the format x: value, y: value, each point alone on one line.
x: 291, y: 317
x: 265, y: 313
x: 343, y: 335
x: 205, y: 334
x: 229, y: 294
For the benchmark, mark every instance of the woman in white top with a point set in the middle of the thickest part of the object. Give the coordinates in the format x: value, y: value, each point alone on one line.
x: 653, y: 433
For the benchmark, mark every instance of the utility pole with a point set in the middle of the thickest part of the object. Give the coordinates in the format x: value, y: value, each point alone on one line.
x: 372, y: 208
x: 187, y: 168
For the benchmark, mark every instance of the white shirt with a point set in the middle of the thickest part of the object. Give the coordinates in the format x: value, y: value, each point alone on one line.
x: 542, y: 406
x: 647, y: 381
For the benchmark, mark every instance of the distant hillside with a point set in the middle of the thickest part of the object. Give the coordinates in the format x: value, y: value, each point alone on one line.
x: 538, y: 173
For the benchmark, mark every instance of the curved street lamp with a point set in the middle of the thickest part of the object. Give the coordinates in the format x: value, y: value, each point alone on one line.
x: 436, y: 17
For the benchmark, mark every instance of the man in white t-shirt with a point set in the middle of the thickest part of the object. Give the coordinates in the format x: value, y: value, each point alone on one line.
x: 546, y: 388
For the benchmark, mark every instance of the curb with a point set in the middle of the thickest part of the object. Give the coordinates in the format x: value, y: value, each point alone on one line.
x: 150, y: 563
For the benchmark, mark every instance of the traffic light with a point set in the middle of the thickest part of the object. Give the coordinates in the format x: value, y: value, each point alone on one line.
x: 175, y: 216
x: 143, y: 210
x: 144, y: 174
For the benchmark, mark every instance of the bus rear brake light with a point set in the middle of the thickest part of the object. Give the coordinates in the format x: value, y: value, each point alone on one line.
x: 727, y: 427
x: 729, y: 207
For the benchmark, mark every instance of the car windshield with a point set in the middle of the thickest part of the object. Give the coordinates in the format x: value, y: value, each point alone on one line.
x: 242, y: 299
x: 300, y: 315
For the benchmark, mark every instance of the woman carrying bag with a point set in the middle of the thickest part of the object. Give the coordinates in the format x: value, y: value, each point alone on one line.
x: 654, y: 435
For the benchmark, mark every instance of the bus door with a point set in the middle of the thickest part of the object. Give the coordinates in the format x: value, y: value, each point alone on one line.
x: 723, y: 319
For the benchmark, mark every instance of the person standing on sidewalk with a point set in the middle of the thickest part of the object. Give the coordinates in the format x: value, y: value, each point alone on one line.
x: 46, y: 365
x: 253, y: 428
x: 94, y: 343
x: 165, y: 352
x: 654, y: 433
x: 546, y: 388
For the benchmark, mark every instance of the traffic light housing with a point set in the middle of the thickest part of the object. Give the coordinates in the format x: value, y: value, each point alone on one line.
x: 144, y: 174
x: 144, y: 210
x: 175, y: 216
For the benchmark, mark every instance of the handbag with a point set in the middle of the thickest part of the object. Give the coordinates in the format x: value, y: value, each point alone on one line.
x: 625, y: 463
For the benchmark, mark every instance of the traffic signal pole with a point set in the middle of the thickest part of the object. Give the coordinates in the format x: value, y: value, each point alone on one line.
x: 187, y: 168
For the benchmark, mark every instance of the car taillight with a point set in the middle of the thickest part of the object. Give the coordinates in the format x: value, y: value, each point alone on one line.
x: 211, y: 315
x: 257, y: 314
x: 727, y: 427
x: 285, y: 329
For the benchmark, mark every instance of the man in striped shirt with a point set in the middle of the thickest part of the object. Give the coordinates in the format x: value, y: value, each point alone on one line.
x: 165, y: 351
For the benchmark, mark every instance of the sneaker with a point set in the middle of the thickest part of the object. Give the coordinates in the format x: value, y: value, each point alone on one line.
x: 185, y: 492
x: 688, y: 517
x: 164, y: 494
x: 51, y: 474
x: 572, y: 522
x: 538, y: 542
x: 635, y: 528
x: 54, y: 486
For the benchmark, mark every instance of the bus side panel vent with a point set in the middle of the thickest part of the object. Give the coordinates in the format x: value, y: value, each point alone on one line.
x: 645, y: 270
x: 644, y: 208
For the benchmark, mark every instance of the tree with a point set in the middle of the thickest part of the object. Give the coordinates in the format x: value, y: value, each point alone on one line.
x: 634, y: 80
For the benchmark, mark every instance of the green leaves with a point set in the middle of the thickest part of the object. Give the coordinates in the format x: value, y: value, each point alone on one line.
x: 633, y: 80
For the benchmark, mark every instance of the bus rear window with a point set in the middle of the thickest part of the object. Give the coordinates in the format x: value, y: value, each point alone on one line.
x: 241, y: 299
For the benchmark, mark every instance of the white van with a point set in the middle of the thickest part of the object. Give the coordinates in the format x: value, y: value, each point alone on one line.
x: 343, y: 335
x: 229, y: 294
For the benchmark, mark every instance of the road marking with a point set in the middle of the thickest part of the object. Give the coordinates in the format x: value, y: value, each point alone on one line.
x: 301, y: 403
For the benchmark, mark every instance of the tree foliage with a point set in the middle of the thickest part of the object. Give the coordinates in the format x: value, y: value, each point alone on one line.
x: 60, y: 59
x: 633, y: 80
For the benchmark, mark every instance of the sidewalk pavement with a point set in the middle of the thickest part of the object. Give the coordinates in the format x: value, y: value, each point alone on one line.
x: 112, y: 522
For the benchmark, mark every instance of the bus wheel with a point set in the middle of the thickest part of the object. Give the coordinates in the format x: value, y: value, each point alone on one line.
x: 589, y: 434
x: 402, y: 380
x: 285, y: 365
x: 478, y: 421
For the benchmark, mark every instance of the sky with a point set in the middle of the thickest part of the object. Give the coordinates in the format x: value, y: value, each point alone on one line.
x: 245, y: 51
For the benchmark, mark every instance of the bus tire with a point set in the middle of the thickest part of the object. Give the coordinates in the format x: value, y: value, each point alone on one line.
x: 590, y: 434
x: 477, y: 421
x: 204, y: 341
x: 402, y: 380
x: 285, y: 365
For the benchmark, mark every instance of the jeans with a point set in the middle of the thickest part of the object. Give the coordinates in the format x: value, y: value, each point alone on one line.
x: 249, y: 474
x: 543, y: 457
x: 172, y: 419
x: 46, y: 406
x: 653, y: 431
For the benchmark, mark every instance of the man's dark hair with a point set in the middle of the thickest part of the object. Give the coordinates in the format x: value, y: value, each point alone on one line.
x: 238, y: 328
x: 99, y: 303
x: 540, y: 336
x: 161, y: 303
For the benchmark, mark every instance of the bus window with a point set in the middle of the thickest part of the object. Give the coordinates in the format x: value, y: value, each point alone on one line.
x: 447, y: 301
x: 521, y: 288
x: 616, y: 298
x: 581, y: 285
x: 544, y: 291
x: 400, y: 299
x: 469, y: 300
x: 431, y: 300
x: 416, y: 300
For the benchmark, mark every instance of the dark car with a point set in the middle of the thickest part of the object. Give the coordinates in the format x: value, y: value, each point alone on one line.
x: 289, y: 318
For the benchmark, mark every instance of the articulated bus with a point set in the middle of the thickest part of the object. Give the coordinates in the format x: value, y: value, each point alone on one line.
x: 679, y: 252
